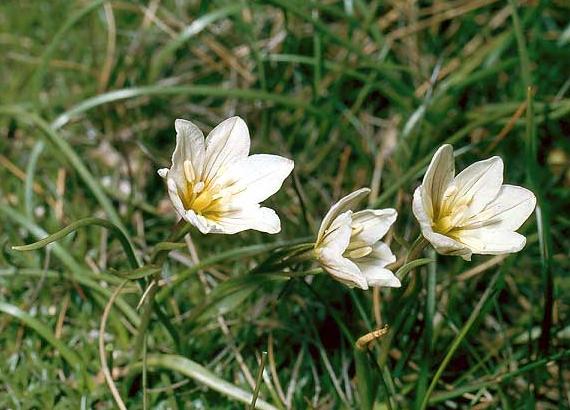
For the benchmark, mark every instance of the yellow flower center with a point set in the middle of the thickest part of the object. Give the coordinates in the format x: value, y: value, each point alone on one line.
x: 452, y: 213
x: 203, y: 197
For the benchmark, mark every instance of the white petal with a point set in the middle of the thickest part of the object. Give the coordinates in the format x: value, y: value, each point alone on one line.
x: 382, y: 253
x: 226, y: 144
x: 489, y: 241
x: 480, y: 182
x: 419, y: 210
x: 163, y: 172
x: 442, y: 244
x: 373, y: 266
x: 175, y: 197
x: 337, y: 237
x: 382, y: 277
x: 257, y: 177
x: 508, y: 211
x: 251, y: 217
x: 437, y: 178
x: 448, y: 246
x: 203, y: 224
x: 342, y: 269
x: 190, y: 146
x: 374, y: 224
x: 348, y: 202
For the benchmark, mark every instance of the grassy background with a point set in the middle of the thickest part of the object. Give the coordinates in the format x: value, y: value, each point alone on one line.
x: 359, y: 94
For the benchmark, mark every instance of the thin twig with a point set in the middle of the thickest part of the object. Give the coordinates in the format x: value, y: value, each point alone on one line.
x: 102, y: 353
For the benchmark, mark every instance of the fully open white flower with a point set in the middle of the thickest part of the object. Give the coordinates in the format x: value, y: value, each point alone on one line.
x: 472, y: 212
x: 348, y: 245
x: 217, y: 186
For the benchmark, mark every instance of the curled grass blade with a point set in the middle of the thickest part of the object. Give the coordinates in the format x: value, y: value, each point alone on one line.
x: 121, y: 235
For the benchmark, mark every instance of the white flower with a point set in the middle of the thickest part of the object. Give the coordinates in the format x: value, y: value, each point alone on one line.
x: 216, y: 186
x: 472, y: 212
x: 348, y: 245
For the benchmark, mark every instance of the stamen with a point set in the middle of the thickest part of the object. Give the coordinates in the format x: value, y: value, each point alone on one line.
x: 199, y: 187
x: 360, y: 252
x: 356, y: 229
x: 189, y: 171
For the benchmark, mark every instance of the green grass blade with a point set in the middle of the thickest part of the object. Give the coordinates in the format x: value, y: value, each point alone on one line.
x: 58, y: 38
x: 197, y: 26
x: 258, y: 381
x: 246, y: 251
x: 45, y: 332
x: 29, y: 182
x: 67, y: 151
x: 90, y: 283
x: 198, y: 90
x: 203, y: 376
x: 410, y: 266
x: 521, y: 43
x: 489, y: 292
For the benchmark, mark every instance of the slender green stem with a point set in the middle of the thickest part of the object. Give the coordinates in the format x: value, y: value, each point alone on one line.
x: 107, y: 372
x: 144, y: 378
x: 158, y: 258
x: 428, y: 331
x: 145, y: 317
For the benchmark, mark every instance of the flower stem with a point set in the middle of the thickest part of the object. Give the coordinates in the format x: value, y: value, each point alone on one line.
x: 416, y: 249
x: 178, y: 231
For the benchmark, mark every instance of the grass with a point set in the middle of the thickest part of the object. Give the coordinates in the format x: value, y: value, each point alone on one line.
x: 358, y: 93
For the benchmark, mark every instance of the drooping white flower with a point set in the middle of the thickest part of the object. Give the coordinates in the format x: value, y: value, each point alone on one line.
x: 348, y: 244
x: 472, y: 212
x: 215, y: 184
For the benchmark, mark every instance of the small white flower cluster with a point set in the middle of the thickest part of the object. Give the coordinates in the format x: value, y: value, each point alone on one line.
x: 215, y: 185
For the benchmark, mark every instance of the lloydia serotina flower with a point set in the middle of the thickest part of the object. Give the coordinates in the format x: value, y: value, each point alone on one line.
x: 215, y: 184
x: 472, y: 212
x: 348, y: 244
